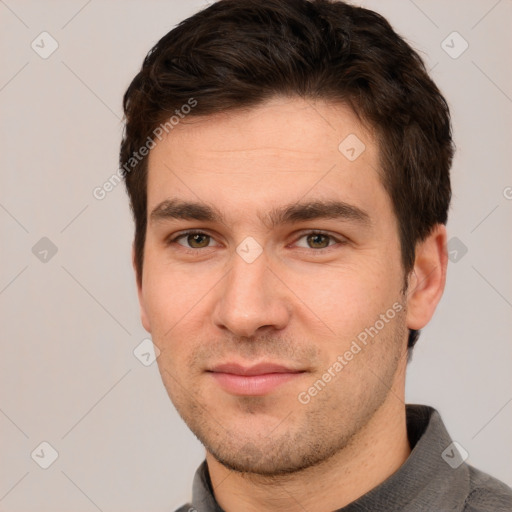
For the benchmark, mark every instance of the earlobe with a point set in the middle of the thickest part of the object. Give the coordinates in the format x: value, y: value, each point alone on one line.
x: 143, y: 314
x: 427, y: 279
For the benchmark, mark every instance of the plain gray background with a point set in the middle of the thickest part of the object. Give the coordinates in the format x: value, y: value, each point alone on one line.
x: 70, y: 320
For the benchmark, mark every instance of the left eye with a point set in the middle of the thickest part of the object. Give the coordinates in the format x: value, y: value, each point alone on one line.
x: 194, y: 240
x: 316, y: 241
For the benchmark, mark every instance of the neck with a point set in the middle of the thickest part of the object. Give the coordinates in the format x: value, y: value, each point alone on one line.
x: 374, y: 454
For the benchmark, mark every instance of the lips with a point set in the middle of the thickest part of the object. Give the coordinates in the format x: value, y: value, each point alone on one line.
x: 256, y: 380
x: 258, y: 369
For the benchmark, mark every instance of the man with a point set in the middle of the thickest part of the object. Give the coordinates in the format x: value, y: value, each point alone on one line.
x: 287, y: 164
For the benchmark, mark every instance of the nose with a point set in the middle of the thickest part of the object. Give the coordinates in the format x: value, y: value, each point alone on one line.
x: 251, y: 299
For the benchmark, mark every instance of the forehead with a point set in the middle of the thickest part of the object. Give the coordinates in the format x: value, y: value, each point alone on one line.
x: 285, y: 150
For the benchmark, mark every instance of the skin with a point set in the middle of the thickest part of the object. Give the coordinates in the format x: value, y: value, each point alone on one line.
x: 301, y: 303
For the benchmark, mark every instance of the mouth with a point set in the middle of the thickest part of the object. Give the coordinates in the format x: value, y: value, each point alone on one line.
x: 256, y: 380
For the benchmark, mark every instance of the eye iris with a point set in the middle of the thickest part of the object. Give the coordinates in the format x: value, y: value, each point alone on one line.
x: 318, y: 241
x: 198, y: 240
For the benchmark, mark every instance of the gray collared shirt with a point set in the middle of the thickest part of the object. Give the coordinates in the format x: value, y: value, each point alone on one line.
x: 434, y: 478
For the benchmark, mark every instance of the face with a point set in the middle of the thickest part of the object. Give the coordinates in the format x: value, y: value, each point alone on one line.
x: 272, y: 281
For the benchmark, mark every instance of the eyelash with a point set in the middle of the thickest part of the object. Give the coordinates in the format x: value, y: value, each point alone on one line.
x: 191, y: 250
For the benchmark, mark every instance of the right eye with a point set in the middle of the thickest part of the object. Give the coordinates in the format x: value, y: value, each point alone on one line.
x: 192, y: 240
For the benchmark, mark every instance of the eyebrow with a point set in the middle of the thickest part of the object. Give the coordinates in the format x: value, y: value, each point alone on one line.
x: 171, y: 209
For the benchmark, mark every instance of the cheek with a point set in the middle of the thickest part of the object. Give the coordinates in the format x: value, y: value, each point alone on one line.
x: 179, y: 303
x: 345, y: 297
x: 171, y: 288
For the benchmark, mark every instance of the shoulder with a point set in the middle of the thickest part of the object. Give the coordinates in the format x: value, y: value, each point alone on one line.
x: 487, y: 493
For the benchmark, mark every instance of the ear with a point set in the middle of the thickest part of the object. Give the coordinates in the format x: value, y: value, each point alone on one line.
x: 427, y: 279
x: 138, y: 279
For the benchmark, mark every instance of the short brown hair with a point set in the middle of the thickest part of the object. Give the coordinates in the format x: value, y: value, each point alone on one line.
x: 239, y: 53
